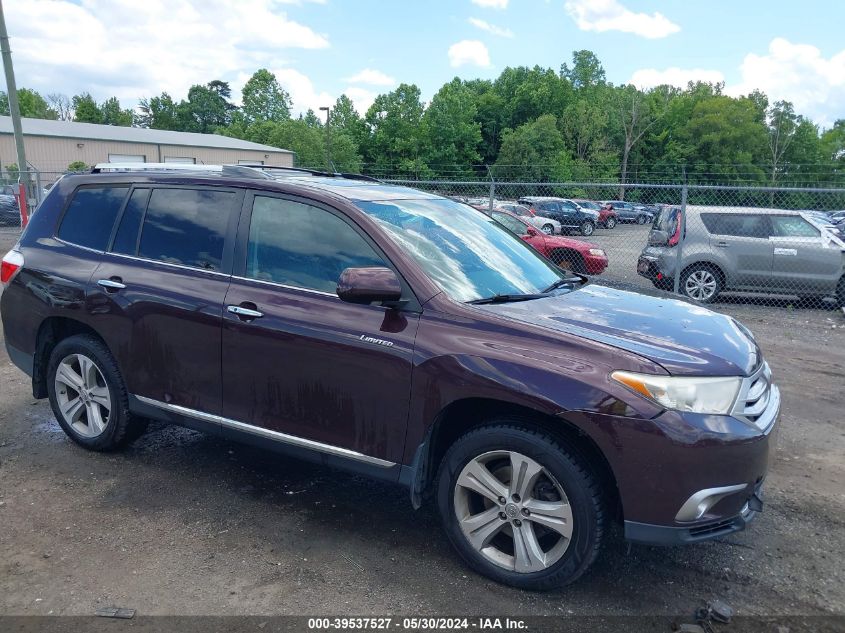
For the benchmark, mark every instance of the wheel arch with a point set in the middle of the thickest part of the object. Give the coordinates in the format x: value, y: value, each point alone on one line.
x: 578, y: 258
x: 51, y: 332
x: 461, y: 416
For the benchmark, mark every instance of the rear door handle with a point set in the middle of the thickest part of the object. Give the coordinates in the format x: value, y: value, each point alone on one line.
x: 115, y: 283
x: 245, y: 313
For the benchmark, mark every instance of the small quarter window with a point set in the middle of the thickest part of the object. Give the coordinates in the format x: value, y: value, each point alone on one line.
x: 126, y: 239
x: 90, y: 216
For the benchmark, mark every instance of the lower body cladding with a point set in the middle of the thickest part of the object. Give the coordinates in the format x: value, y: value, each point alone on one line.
x: 685, y: 477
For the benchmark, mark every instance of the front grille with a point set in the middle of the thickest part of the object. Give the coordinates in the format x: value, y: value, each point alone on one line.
x: 712, y: 528
x: 754, y: 395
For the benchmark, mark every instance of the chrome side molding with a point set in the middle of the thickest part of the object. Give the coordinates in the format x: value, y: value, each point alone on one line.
x: 267, y: 433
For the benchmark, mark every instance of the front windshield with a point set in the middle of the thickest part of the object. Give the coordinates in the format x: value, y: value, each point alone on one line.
x: 468, y: 254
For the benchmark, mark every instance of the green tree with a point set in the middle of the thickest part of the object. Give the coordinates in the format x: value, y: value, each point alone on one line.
x: 158, y: 113
x: 85, y: 109
x: 586, y: 72
x: 31, y: 104
x: 264, y: 99
x: 490, y: 115
x: 635, y: 112
x: 533, y: 151
x: 392, y: 141
x: 205, y: 110
x: 451, y: 134
x: 113, y: 114
x: 529, y: 93
x: 77, y: 165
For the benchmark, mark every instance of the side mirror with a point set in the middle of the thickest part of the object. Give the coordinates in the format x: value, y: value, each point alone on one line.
x: 658, y: 238
x: 531, y: 231
x: 368, y: 285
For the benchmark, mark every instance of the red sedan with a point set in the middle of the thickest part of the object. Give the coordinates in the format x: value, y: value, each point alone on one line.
x: 571, y: 254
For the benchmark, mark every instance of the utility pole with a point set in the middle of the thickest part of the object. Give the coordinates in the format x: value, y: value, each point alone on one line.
x: 328, y: 111
x: 12, y: 90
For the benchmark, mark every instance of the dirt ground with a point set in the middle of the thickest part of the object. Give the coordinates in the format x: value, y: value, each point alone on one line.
x: 183, y: 523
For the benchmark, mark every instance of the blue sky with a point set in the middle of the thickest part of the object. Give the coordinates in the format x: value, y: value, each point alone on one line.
x: 321, y: 48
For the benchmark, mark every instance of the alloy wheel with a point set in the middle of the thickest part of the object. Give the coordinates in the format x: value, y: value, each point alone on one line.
x: 611, y: 222
x: 700, y: 285
x: 548, y: 229
x: 587, y: 228
x: 513, y: 511
x: 82, y: 395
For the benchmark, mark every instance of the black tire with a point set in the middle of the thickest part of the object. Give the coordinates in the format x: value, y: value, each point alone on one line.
x: 587, y: 228
x: 840, y: 293
x: 641, y: 219
x: 548, y: 229
x: 707, y: 272
x: 569, y: 470
x: 121, y: 427
x: 610, y: 223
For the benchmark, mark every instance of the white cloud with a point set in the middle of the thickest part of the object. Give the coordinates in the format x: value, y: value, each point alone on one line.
x: 470, y: 52
x: 491, y: 28
x: 372, y: 77
x: 361, y: 97
x: 491, y: 4
x: 302, y: 91
x: 800, y: 74
x: 610, y: 15
x: 130, y: 49
x: 651, y: 77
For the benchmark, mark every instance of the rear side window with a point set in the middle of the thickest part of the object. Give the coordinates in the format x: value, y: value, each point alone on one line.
x: 90, y: 216
x: 738, y: 225
x: 126, y: 239
x: 186, y: 226
x: 299, y: 245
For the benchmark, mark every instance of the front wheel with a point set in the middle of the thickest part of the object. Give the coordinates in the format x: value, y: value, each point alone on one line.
x: 519, y: 507
x: 610, y: 223
x: 641, y: 219
x: 587, y: 228
x: 548, y: 229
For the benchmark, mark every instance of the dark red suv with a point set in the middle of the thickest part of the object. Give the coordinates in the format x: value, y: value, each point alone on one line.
x: 397, y: 334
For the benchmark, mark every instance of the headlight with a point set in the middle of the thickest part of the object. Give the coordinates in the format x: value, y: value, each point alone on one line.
x: 696, y: 395
x: 597, y: 252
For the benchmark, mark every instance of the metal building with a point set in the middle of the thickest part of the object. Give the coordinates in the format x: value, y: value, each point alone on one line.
x: 53, y: 145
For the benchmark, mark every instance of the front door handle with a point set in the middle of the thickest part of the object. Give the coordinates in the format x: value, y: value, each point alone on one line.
x: 245, y: 314
x: 722, y: 244
x: 113, y: 284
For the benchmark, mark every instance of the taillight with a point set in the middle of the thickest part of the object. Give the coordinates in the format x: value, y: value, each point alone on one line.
x: 12, y: 263
x: 676, y: 235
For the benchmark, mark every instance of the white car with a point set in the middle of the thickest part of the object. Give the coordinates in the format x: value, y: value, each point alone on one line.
x: 546, y: 225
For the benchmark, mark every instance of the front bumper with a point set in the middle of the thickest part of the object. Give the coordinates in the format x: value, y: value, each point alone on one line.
x: 649, y: 534
x: 595, y: 265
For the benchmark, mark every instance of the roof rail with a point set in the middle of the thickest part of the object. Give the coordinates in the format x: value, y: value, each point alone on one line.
x: 243, y: 170
x: 311, y: 172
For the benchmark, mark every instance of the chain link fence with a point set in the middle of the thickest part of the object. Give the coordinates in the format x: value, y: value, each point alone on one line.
x: 712, y: 244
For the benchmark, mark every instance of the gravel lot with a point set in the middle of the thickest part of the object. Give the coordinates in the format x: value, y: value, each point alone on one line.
x: 183, y: 523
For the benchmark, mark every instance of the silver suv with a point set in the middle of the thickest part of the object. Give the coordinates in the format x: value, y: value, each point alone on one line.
x: 744, y: 249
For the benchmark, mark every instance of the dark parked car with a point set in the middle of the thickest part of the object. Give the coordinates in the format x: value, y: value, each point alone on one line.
x: 570, y: 215
x: 627, y: 212
x: 10, y: 214
x: 397, y: 334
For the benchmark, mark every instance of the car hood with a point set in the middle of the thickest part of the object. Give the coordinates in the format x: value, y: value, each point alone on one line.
x: 684, y: 338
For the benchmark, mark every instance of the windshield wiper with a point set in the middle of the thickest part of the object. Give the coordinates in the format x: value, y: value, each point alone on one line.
x: 566, y: 281
x: 507, y: 298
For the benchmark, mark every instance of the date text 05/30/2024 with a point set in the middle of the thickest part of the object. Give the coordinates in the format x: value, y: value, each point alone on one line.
x: 417, y: 624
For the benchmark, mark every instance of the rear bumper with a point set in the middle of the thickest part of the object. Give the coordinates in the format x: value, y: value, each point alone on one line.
x: 20, y: 359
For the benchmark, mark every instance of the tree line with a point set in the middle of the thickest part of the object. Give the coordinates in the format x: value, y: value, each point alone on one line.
x: 529, y: 124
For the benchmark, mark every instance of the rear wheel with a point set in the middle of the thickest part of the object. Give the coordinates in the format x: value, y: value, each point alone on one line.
x: 520, y: 507
x: 88, y: 396
x: 587, y: 228
x: 548, y: 229
x: 610, y: 223
x: 701, y: 283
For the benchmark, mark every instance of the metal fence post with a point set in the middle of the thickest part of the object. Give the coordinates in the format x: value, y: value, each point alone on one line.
x: 492, y: 189
x: 683, y: 234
